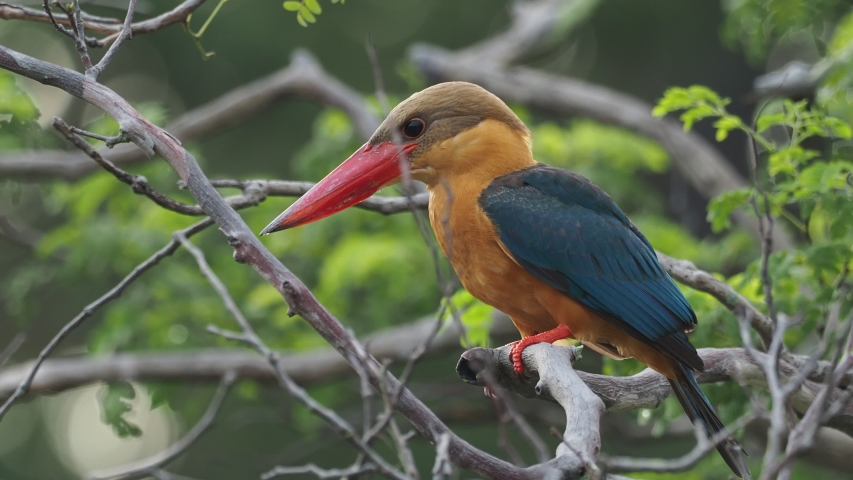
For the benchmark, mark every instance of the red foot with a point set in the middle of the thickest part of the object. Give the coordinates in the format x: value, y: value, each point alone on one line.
x: 518, y: 347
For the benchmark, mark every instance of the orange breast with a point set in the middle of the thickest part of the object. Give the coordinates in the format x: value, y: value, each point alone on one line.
x: 490, y: 274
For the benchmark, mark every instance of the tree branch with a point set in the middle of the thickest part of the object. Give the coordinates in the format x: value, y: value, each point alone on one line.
x: 304, y: 77
x: 648, y: 388
x: 322, y: 365
x: 110, y: 26
x: 144, y: 467
x: 87, y: 312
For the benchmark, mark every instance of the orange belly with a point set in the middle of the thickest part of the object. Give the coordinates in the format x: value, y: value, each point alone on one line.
x: 492, y: 276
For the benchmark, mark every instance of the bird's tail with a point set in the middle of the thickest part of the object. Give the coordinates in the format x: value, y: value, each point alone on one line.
x: 699, y: 409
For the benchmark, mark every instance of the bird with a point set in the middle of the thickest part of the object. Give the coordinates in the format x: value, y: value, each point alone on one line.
x: 544, y: 245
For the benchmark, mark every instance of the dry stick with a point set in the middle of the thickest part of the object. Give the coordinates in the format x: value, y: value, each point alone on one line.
x: 801, y: 437
x: 304, y: 77
x: 319, y: 472
x: 703, y: 447
x: 143, y: 468
x: 93, y: 307
x: 248, y: 336
x: 57, y: 26
x: 123, y: 35
x: 307, y: 368
x: 110, y: 26
x: 80, y: 36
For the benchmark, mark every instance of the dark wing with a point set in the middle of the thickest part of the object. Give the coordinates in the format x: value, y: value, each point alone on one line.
x: 567, y: 232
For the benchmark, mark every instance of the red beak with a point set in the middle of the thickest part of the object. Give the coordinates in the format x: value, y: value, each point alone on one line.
x: 360, y: 176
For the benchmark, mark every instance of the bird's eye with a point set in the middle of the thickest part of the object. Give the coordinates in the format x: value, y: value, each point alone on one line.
x: 414, y: 128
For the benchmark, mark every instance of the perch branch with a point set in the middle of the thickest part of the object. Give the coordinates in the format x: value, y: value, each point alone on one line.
x: 648, y: 388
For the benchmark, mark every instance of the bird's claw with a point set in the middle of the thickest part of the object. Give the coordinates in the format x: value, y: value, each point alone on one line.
x: 517, y: 349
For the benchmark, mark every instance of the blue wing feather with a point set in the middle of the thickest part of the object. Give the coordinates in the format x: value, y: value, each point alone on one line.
x: 569, y: 233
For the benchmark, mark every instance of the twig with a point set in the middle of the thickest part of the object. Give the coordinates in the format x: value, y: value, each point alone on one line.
x: 80, y: 36
x: 109, y: 141
x: 144, y: 467
x: 111, y: 27
x: 126, y: 32
x: 703, y: 447
x: 304, y: 77
x: 248, y: 336
x: 319, y: 472
x: 90, y: 309
x: 320, y: 365
x: 57, y: 26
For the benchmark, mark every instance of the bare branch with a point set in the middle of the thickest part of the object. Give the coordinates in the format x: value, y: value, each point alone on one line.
x: 126, y: 32
x: 393, y: 344
x: 687, y: 273
x: 248, y: 336
x: 703, y: 447
x: 90, y: 309
x: 319, y: 472
x: 112, y: 27
x: 648, y: 388
x: 144, y: 467
x: 303, y: 77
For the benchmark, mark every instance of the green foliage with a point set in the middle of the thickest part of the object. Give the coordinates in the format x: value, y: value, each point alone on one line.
x: 758, y: 25
x: 18, y: 115
x: 475, y: 315
x: 811, y: 193
x: 698, y: 103
x: 115, y: 404
x: 306, y: 10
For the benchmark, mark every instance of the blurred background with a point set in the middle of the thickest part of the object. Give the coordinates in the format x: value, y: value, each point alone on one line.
x: 374, y: 272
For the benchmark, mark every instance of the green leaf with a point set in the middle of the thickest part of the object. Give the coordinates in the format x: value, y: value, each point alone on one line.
x: 768, y: 120
x: 307, y: 15
x: 14, y: 101
x: 789, y: 159
x: 292, y: 5
x: 721, y: 208
x: 313, y: 6
x: 301, y: 19
x: 726, y: 124
x: 838, y: 127
x: 475, y: 315
x: 115, y: 403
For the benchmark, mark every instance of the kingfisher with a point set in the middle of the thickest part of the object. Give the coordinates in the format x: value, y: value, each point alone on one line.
x: 544, y: 245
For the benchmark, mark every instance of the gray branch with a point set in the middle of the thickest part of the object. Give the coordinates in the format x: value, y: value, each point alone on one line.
x: 303, y: 77
x: 113, y: 27
x: 144, y: 467
x: 648, y: 388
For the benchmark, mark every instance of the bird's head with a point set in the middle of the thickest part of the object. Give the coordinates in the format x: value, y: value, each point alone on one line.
x: 433, y: 133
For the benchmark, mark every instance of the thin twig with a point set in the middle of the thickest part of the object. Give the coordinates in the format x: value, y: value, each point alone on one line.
x: 80, y: 36
x: 126, y: 33
x: 93, y: 307
x: 318, y: 472
x: 145, y: 467
x: 248, y: 336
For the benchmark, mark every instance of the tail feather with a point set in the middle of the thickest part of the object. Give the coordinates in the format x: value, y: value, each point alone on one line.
x: 701, y: 412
